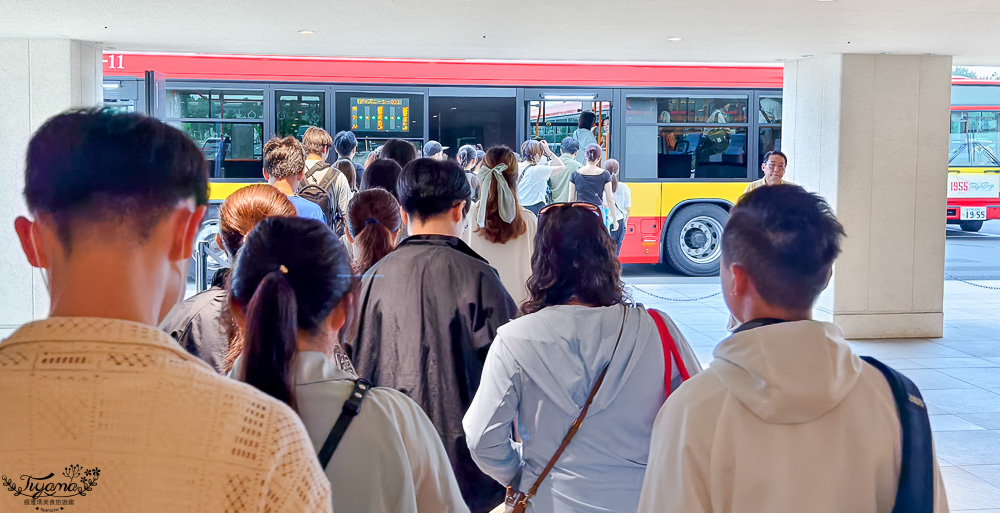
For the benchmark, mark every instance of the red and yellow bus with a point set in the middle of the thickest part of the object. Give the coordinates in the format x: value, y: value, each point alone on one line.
x: 974, y: 153
x: 688, y: 137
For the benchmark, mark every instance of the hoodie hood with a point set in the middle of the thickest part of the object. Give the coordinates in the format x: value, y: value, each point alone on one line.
x: 788, y: 373
x: 563, y: 349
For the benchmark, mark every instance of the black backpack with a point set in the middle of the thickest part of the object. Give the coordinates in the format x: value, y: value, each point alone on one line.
x: 916, y: 473
x: 319, y: 193
x: 915, y: 493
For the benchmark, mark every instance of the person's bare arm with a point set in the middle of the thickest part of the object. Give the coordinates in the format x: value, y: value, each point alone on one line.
x: 557, y: 165
x: 609, y: 200
x: 372, y: 157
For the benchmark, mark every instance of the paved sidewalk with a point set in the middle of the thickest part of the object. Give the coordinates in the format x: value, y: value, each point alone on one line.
x: 958, y: 375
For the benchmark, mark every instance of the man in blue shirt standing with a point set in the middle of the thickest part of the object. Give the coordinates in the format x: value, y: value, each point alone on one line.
x: 284, y: 168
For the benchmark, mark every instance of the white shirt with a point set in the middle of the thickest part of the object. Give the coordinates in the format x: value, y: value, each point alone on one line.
x: 166, y: 432
x: 532, y: 182
x: 623, y: 200
x: 787, y: 418
x: 340, y: 190
x: 512, y: 260
x: 390, y: 460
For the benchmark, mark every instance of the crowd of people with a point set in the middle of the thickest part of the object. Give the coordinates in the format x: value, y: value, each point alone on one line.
x: 425, y: 335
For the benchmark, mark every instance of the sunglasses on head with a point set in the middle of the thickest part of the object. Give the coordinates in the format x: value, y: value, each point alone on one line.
x: 571, y: 204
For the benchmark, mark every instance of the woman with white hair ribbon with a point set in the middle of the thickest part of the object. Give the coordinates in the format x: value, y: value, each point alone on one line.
x: 503, y: 231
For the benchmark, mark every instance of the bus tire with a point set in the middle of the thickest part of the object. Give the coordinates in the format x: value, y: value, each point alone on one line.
x: 693, y: 240
x: 971, y: 226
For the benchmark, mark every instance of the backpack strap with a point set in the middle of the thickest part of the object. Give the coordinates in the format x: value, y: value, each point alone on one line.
x: 351, y: 409
x: 915, y: 493
x: 319, y: 166
x: 328, y: 179
x: 670, y: 352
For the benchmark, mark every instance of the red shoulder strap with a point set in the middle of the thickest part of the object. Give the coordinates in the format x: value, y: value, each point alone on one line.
x: 670, y: 351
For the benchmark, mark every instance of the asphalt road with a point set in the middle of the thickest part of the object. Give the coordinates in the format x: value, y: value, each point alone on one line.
x: 968, y: 256
x: 973, y: 256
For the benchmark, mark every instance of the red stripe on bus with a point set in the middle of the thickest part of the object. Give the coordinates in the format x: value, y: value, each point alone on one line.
x: 438, y: 72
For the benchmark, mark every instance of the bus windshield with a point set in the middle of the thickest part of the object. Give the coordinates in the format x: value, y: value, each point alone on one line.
x: 974, y: 139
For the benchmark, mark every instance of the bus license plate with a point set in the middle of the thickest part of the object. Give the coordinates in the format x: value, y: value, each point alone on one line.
x: 973, y: 213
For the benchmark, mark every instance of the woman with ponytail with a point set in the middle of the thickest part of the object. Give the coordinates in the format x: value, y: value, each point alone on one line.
x: 623, y: 202
x: 534, y: 173
x: 290, y: 293
x: 468, y: 158
x: 502, y: 231
x: 373, y: 222
x: 202, y: 323
x: 592, y: 184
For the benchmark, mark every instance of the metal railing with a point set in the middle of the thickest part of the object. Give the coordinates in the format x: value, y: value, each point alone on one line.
x: 201, y: 265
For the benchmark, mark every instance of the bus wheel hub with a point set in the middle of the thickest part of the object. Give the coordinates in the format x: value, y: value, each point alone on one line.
x: 701, y: 239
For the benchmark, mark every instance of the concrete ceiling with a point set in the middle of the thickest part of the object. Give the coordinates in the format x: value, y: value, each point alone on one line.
x: 624, y: 30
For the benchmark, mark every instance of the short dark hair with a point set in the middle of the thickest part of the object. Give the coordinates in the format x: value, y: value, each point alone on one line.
x: 344, y: 143
x: 97, y: 165
x: 775, y: 152
x: 574, y: 258
x: 403, y: 152
x: 429, y: 187
x: 587, y: 120
x: 382, y: 173
x: 570, y: 145
x: 786, y: 239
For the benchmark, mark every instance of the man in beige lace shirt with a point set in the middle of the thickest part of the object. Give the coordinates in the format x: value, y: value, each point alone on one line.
x: 101, y: 411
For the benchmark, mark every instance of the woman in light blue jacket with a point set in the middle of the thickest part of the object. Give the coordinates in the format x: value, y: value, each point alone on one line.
x: 541, y: 368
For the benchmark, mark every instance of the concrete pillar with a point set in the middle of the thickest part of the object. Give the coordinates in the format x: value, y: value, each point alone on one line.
x: 38, y: 79
x: 870, y: 133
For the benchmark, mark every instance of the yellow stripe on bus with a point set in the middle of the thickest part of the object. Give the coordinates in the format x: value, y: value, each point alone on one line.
x: 219, y: 191
x: 649, y: 199
x: 979, y: 170
x: 658, y: 199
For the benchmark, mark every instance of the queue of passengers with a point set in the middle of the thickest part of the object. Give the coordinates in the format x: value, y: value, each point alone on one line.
x: 489, y: 359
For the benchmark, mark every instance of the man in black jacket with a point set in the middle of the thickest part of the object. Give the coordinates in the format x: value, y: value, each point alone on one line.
x: 429, y: 311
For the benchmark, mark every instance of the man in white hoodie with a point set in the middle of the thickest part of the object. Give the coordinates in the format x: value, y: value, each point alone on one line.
x: 787, y: 418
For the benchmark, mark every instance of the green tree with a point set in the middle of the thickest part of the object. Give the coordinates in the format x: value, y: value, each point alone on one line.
x: 962, y: 71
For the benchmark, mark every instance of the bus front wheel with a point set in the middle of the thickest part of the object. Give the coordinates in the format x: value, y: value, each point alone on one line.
x: 971, y: 226
x: 694, y: 239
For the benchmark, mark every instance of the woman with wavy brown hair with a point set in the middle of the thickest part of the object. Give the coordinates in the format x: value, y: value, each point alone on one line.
x: 578, y: 334
x: 501, y: 230
x: 202, y: 323
x: 373, y: 222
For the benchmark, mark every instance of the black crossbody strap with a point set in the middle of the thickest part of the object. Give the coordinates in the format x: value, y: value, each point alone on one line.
x: 351, y: 409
